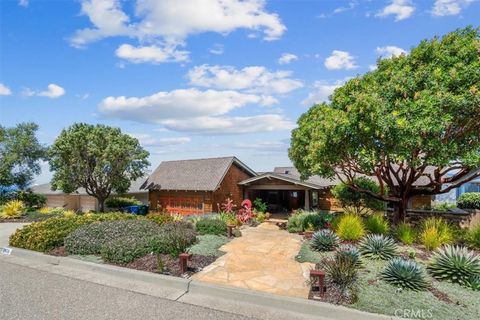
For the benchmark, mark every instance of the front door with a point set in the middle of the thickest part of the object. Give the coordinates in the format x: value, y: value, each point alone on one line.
x: 293, y: 201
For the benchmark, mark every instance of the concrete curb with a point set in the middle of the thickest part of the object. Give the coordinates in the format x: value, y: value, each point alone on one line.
x: 289, y: 304
x: 219, y: 297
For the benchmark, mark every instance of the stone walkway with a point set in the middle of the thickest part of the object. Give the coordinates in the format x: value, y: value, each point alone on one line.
x: 262, y: 259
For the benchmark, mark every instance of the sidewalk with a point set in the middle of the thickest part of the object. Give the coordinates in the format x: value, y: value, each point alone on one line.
x: 6, y: 229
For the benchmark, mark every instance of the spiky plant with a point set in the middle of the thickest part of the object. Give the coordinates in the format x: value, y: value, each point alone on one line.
x: 378, y: 247
x: 324, y: 240
x: 406, y: 274
x: 340, y: 273
x: 455, y: 264
x: 349, y: 252
x: 474, y: 283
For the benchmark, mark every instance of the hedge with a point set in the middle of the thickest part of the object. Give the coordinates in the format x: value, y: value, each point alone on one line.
x: 469, y: 200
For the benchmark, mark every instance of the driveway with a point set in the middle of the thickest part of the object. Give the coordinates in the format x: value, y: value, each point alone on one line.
x: 262, y: 259
x: 6, y: 229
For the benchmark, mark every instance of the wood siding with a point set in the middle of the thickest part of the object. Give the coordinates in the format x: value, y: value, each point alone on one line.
x: 200, y: 202
x: 229, y: 187
x: 326, y: 201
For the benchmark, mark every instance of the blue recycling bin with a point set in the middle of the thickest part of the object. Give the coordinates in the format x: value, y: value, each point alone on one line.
x: 133, y: 209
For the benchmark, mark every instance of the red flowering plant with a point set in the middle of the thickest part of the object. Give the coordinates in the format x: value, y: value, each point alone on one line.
x: 245, y: 213
x: 228, y: 206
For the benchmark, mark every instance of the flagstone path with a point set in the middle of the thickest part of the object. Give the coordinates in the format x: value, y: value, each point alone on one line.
x: 262, y: 259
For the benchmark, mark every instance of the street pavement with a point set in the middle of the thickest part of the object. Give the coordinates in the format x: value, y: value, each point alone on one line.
x: 27, y: 293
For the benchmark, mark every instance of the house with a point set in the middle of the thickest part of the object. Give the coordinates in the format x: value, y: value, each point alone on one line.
x: 197, y: 186
x: 80, y: 200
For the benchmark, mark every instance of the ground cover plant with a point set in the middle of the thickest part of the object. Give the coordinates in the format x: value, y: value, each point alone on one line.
x: 208, y: 245
x: 211, y: 226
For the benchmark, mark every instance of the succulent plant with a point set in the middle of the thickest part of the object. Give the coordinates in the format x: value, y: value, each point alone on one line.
x: 455, y: 264
x: 324, y: 240
x: 340, y: 273
x: 378, y: 247
x: 474, y: 283
x: 406, y: 274
x: 349, y: 252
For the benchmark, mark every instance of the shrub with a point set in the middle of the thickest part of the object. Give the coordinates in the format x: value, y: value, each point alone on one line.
x: 125, y: 250
x: 340, y: 273
x: 406, y: 274
x: 469, y: 200
x: 211, y: 226
x: 31, y: 200
x: 349, y: 252
x: 405, y: 233
x: 295, y: 222
x: 350, y: 227
x: 377, y: 224
x: 228, y: 217
x: 324, y: 240
x: 159, y: 218
x: 443, y: 206
x: 259, y: 205
x: 473, y: 236
x: 44, y: 210
x: 90, y: 238
x: 435, y: 232
x: 175, y: 238
x: 13, y: 209
x: 312, y: 221
x: 378, y: 247
x: 122, y: 202
x: 455, y: 264
x: 49, y: 234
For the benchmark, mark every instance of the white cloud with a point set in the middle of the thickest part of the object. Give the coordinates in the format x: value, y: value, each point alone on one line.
x: 23, y: 3
x: 177, y: 104
x: 173, y: 21
x: 340, y: 60
x: 286, y: 58
x: 231, y: 125
x: 54, y: 91
x: 216, y: 49
x: 401, y: 9
x: 148, y: 140
x: 264, y: 146
x: 83, y: 96
x: 4, y: 90
x: 252, y: 79
x: 322, y: 91
x: 351, y: 6
x: 389, y: 51
x: 152, y: 54
x: 27, y: 92
x: 449, y: 7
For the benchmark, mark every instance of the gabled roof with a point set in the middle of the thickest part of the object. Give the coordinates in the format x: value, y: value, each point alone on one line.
x: 293, y: 173
x: 283, y: 177
x: 46, y: 188
x: 193, y: 175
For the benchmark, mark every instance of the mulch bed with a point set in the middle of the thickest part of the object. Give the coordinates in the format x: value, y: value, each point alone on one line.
x: 442, y: 296
x: 170, y: 265
x: 58, y: 252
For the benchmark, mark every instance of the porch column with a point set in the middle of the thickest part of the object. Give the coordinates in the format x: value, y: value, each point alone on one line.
x: 307, y: 200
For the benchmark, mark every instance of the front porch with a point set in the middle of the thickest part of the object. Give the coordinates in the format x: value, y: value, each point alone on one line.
x: 282, y: 194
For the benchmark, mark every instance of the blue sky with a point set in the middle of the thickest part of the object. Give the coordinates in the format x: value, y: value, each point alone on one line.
x: 196, y: 78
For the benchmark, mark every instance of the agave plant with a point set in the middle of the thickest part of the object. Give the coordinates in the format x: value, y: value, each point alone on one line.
x: 474, y: 283
x: 378, y: 247
x: 455, y: 264
x: 324, y: 240
x: 406, y: 274
x: 349, y: 252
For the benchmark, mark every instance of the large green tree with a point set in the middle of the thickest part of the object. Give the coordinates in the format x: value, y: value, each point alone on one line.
x: 98, y: 158
x: 20, y: 155
x: 413, y: 124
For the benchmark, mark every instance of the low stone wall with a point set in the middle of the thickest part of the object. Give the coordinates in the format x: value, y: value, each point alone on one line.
x: 465, y: 218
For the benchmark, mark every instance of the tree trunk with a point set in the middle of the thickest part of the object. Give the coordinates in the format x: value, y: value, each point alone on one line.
x: 101, y: 204
x: 400, y: 210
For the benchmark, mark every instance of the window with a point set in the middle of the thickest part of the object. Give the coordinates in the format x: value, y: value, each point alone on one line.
x: 314, y: 198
